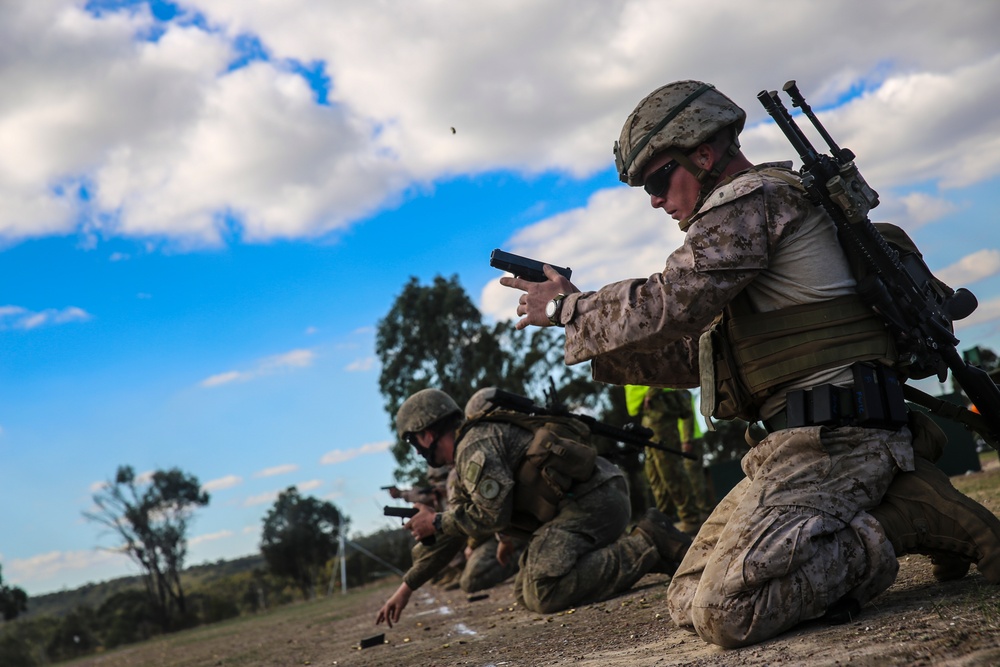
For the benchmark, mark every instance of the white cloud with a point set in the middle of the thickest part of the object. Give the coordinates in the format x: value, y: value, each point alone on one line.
x: 342, y: 455
x: 261, y: 498
x: 141, y: 126
x: 16, y: 317
x: 988, y: 311
x: 269, y: 366
x: 277, y: 470
x: 227, y: 482
x: 47, y: 566
x: 971, y: 268
x: 360, y: 365
x: 916, y: 210
x: 309, y: 486
x: 224, y: 378
x: 210, y: 537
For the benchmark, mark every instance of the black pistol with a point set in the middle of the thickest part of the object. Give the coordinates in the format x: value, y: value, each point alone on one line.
x: 524, y: 267
x: 407, y: 513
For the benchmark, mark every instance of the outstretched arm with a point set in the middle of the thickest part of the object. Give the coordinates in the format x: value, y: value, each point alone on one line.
x: 395, y: 605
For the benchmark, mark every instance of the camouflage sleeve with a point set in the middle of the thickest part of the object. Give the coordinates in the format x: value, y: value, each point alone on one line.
x: 429, y: 560
x: 646, y: 331
x: 484, y: 500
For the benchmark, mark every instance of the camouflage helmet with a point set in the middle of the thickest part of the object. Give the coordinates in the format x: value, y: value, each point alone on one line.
x: 480, y: 403
x: 679, y: 115
x: 423, y: 409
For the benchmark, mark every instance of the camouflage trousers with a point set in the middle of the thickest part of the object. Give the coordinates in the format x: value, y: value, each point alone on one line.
x: 482, y: 569
x: 696, y: 474
x: 583, y: 554
x: 792, y: 538
x: 668, y: 478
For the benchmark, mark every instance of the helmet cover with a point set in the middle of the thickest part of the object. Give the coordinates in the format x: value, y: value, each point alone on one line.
x: 679, y: 115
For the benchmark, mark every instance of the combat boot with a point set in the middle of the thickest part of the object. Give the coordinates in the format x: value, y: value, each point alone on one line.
x: 923, y: 513
x: 670, y: 543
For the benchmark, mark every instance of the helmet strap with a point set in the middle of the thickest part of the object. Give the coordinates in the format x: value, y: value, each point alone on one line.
x: 708, y: 178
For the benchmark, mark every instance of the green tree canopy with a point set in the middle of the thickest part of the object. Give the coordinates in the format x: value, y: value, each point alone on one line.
x: 13, y: 600
x: 300, y: 536
x: 151, y: 518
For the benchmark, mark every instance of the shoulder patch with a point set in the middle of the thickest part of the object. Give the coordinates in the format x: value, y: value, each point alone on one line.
x: 489, y: 488
x: 473, y: 470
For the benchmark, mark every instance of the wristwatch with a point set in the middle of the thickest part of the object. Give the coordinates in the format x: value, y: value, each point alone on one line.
x: 553, y: 308
x: 437, y: 522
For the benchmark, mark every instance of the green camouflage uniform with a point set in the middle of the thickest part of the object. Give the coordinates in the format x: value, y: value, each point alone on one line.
x: 691, y: 432
x: 668, y: 478
x: 794, y: 536
x: 482, y: 569
x: 582, y: 555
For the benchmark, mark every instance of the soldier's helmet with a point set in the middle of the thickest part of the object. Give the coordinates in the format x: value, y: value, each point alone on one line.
x: 679, y: 115
x: 423, y: 409
x: 480, y: 402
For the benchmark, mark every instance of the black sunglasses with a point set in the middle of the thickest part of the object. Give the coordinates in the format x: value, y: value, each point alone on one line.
x: 411, y: 439
x: 656, y: 184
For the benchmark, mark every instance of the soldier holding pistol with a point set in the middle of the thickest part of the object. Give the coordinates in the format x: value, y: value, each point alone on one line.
x: 754, y: 306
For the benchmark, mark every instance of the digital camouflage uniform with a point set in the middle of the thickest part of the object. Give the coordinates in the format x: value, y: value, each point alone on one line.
x: 672, y: 489
x: 793, y: 537
x: 581, y: 555
x: 482, y: 569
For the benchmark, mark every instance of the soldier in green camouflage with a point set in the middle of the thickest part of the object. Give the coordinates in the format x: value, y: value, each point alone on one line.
x: 660, y: 411
x: 758, y: 304
x: 578, y: 549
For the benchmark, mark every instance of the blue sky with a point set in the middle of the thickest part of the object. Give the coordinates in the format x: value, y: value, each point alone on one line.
x: 206, y: 206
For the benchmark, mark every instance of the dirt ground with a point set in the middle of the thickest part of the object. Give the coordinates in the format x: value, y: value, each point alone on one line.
x: 916, y: 622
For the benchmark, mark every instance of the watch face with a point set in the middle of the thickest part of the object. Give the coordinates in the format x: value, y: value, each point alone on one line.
x: 550, y: 309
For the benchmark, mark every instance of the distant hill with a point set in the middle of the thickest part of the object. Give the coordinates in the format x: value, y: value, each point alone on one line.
x: 93, y: 595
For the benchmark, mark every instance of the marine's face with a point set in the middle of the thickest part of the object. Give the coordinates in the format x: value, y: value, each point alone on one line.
x: 682, y: 188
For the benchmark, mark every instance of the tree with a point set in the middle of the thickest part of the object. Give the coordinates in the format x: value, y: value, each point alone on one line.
x: 13, y: 600
x: 434, y: 336
x: 151, y: 517
x: 300, y: 536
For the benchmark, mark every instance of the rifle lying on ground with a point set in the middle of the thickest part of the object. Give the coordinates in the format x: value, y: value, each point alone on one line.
x: 918, y: 309
x: 407, y: 513
x: 632, y: 435
x: 524, y: 267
